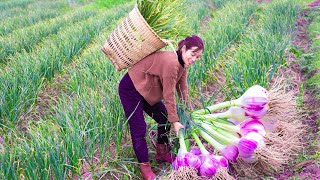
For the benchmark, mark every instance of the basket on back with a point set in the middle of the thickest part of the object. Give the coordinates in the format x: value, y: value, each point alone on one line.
x: 131, y: 41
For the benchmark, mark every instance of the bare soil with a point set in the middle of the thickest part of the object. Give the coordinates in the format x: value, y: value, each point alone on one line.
x: 309, y: 168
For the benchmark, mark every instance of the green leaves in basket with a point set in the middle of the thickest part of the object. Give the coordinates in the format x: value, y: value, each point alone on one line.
x: 165, y: 17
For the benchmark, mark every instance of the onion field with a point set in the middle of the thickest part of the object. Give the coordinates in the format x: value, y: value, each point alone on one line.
x: 60, y: 112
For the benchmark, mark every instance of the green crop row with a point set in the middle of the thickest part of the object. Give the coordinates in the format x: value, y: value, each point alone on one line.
x: 261, y: 51
x: 92, y: 75
x: 224, y: 30
x: 88, y: 115
x: 22, y: 78
x: 57, y: 149
x: 198, y: 13
x: 16, y: 3
x: 30, y: 8
x: 24, y: 39
x: 10, y: 24
x: 221, y: 3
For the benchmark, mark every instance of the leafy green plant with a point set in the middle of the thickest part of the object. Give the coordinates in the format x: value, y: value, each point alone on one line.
x: 11, y: 4
x: 21, y: 82
x: 261, y: 51
x: 223, y: 31
x: 165, y: 17
x: 110, y: 3
x: 314, y: 62
x: 14, y: 23
x: 26, y: 38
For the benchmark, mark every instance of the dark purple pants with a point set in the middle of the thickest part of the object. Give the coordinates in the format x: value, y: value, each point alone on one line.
x: 134, y: 104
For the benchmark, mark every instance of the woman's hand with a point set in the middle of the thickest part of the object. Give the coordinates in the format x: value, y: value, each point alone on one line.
x: 190, y: 106
x: 177, y: 126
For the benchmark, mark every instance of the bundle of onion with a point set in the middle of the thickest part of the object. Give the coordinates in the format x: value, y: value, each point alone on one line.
x: 185, y: 158
x: 199, y: 161
x: 285, y: 138
x: 228, y: 139
x: 229, y: 144
x: 254, y: 103
x: 245, y: 134
x: 211, y: 165
x: 239, y: 127
x: 186, y: 164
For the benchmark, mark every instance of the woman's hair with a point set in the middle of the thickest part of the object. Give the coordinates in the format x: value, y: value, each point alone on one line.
x: 189, y: 42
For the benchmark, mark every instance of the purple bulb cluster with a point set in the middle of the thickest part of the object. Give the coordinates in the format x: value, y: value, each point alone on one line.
x: 248, y: 144
x: 252, y: 125
x: 186, y: 159
x: 255, y: 104
x: 207, y: 165
x: 230, y: 152
x: 229, y: 140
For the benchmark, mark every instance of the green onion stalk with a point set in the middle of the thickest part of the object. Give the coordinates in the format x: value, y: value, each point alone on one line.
x: 235, y: 115
x: 185, y: 158
x: 209, y: 163
x: 228, y: 149
x: 240, y: 124
x: 223, y: 162
x: 227, y: 140
x: 166, y: 17
x: 254, y: 102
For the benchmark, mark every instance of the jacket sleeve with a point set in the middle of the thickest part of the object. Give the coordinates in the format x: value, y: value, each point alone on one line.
x: 169, y: 88
x: 182, y: 88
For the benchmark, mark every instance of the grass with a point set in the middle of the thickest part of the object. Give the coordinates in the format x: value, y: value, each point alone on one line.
x: 261, y: 50
x: 196, y: 14
x: 224, y: 30
x: 166, y: 18
x: 103, y: 4
x: 15, y: 3
x: 12, y: 23
x: 80, y: 121
x: 110, y: 3
x: 315, y: 54
x: 24, y: 39
x: 22, y: 78
x: 221, y: 3
x: 85, y: 113
x: 33, y: 7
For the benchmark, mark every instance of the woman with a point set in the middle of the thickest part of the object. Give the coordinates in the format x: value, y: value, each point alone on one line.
x: 157, y: 77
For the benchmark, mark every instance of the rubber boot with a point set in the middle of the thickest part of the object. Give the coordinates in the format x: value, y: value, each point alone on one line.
x: 163, y: 154
x: 146, y: 171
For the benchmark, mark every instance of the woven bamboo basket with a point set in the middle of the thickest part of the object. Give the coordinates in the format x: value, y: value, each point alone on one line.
x: 131, y: 41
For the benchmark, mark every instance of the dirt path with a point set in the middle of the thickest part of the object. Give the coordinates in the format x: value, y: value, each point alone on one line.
x: 308, y: 167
